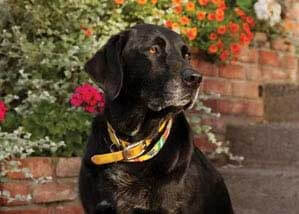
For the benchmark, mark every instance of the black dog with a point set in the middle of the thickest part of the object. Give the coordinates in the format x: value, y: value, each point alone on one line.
x: 149, y: 82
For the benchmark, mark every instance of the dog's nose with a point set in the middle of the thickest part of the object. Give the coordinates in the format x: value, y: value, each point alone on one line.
x: 191, y: 77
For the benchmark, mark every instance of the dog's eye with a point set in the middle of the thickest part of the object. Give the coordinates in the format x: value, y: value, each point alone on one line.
x: 154, y: 49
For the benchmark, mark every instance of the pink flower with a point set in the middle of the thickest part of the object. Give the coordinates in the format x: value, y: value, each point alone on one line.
x: 3, y: 111
x: 88, y: 97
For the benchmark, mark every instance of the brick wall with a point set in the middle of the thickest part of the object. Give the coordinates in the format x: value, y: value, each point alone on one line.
x: 55, y: 196
x: 240, y: 83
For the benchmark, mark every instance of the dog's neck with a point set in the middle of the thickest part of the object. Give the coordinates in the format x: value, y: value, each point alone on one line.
x: 132, y: 121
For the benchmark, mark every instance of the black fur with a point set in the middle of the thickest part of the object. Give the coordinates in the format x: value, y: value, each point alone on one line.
x: 146, y: 75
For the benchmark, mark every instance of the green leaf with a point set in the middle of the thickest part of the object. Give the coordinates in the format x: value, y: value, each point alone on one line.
x: 245, y: 4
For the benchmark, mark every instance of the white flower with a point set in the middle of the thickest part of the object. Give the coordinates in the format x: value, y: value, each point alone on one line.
x: 268, y: 10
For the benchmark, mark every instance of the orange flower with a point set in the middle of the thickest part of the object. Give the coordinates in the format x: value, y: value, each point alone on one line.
x: 234, y: 28
x: 184, y: 20
x: 213, y: 49
x: 219, y: 15
x: 191, y: 33
x: 119, y: 2
x: 221, y: 29
x: 175, y: 25
x: 224, y: 55
x: 141, y: 2
x: 176, y: 2
x: 250, y: 21
x: 168, y: 24
x: 211, y: 16
x: 222, y: 5
x: 88, y: 32
x: 190, y: 6
x: 154, y: 1
x: 213, y: 36
x: 203, y: 2
x: 201, y: 15
x: 178, y: 9
x: 235, y: 48
x: 239, y: 12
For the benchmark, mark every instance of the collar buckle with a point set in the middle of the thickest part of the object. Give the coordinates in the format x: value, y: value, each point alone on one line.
x: 134, y: 150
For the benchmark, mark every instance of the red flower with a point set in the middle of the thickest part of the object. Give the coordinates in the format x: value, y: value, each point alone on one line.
x: 211, y: 16
x: 203, y: 2
x: 234, y: 28
x: 213, y: 49
x: 119, y: 2
x: 239, y: 12
x: 250, y: 21
x: 178, y: 9
x: 246, y: 28
x: 201, y: 15
x: 89, y: 98
x: 244, y: 39
x: 184, y: 20
x: 88, y: 32
x: 213, y: 36
x: 224, y: 55
x: 221, y: 30
x: 168, y: 24
x: 190, y: 6
x: 220, y: 44
x: 3, y: 110
x: 235, y: 48
x: 219, y: 14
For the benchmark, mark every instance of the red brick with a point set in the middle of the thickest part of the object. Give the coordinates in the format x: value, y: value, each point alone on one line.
x: 245, y: 89
x: 219, y: 86
x: 248, y: 55
x: 269, y: 58
x: 255, y: 108
x: 207, y: 69
x: 69, y: 209
x: 68, y: 167
x: 231, y: 106
x: 37, y: 166
x: 35, y: 210
x: 253, y: 73
x: 50, y: 192
x: 289, y: 62
x: 280, y: 44
x: 203, y: 144
x: 232, y: 71
x: 211, y: 103
x: 270, y: 74
x: 218, y: 124
x: 14, y: 189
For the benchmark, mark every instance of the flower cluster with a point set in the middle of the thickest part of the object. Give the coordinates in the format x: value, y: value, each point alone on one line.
x: 268, y: 10
x: 3, y: 110
x: 211, y: 25
x: 88, y: 97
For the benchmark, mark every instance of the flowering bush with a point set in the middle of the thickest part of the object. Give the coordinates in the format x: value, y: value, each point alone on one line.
x: 89, y: 98
x: 215, y: 27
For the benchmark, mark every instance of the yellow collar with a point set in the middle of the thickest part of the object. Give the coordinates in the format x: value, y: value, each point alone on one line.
x: 133, y: 152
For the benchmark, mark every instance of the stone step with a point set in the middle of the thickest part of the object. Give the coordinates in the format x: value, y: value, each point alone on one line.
x: 265, y: 144
x: 263, y: 190
x: 281, y: 102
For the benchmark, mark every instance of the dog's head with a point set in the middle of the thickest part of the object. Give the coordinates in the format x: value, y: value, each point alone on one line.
x: 150, y: 64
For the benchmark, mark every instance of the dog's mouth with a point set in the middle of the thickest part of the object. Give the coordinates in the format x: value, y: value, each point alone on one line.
x: 185, y: 103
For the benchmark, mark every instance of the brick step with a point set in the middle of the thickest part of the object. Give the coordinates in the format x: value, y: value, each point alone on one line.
x: 265, y: 144
x: 270, y: 190
x: 281, y: 102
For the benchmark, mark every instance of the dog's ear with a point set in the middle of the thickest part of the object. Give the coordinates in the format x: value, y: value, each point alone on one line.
x: 105, y: 67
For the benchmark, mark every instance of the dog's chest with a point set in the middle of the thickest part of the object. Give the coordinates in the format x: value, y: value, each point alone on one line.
x: 146, y: 193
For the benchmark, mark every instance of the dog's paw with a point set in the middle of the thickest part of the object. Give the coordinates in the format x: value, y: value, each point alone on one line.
x: 105, y: 207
